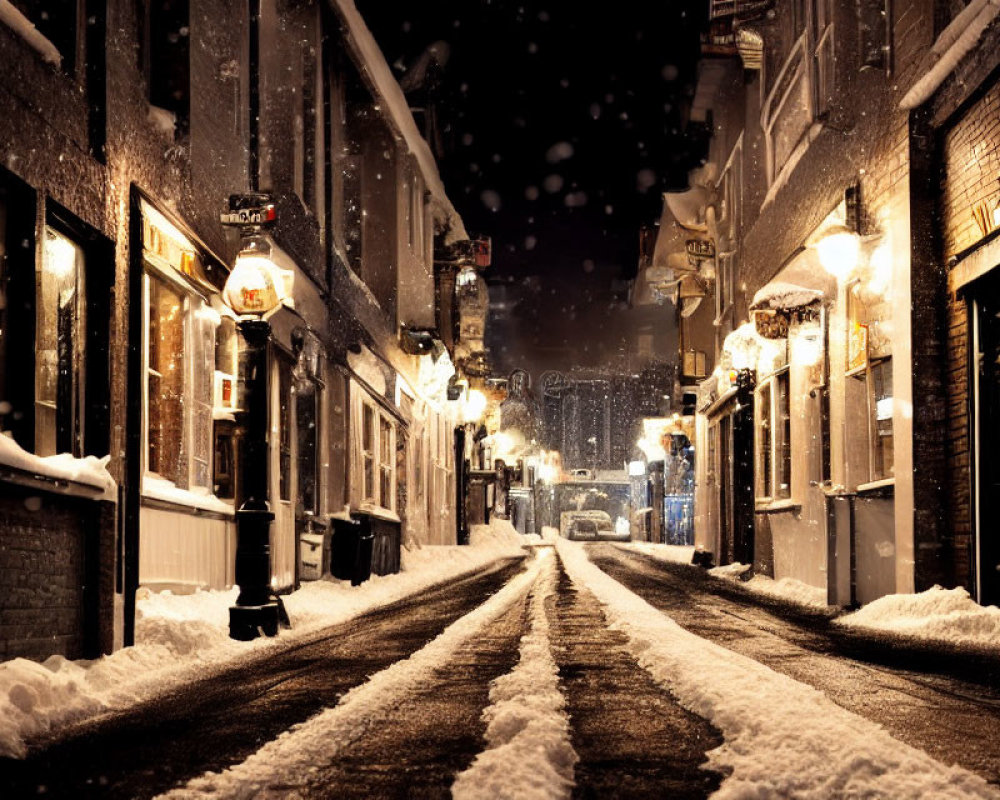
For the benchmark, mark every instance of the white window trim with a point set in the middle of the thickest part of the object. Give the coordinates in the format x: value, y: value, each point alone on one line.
x: 155, y: 265
x: 769, y: 501
x: 375, y: 502
x: 808, y: 54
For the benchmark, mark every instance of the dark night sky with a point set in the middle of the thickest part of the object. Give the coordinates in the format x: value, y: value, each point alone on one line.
x: 560, y: 127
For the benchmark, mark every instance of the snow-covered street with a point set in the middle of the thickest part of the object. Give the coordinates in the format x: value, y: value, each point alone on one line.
x: 550, y: 669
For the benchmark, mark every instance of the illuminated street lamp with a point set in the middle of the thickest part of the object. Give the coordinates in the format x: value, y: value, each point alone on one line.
x: 255, y: 287
x: 839, y: 250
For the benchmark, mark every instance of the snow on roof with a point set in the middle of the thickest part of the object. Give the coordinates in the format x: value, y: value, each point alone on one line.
x: 63, y: 467
x: 955, y: 42
x: 780, y: 295
x: 391, y: 95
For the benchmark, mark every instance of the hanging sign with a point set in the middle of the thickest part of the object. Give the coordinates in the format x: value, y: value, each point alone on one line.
x: 857, y: 347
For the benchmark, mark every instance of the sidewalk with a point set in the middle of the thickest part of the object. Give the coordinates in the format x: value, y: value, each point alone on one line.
x: 942, y: 630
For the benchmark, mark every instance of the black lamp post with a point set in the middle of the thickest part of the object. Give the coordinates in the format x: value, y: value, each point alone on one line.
x: 255, y: 287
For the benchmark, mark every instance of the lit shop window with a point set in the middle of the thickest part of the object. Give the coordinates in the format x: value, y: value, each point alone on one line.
x: 180, y: 371
x: 60, y: 336
x: 378, y: 456
x: 774, y: 456
x: 869, y: 390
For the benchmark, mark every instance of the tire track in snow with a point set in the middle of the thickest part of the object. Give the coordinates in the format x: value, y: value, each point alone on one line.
x: 782, y: 738
x: 286, y: 766
x: 529, y: 752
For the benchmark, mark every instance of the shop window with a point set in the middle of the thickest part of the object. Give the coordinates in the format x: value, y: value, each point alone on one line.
x: 307, y: 423
x: 285, y: 400
x: 869, y: 390
x: 368, y: 453
x: 166, y: 62
x: 60, y: 347
x: 773, y: 440
x: 378, y: 456
x: 57, y: 21
x: 387, y: 461
x: 180, y: 357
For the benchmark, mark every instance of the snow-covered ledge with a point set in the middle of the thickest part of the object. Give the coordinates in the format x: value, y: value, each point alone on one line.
x: 955, y: 43
x: 21, y: 25
x: 89, y: 471
x: 165, y: 491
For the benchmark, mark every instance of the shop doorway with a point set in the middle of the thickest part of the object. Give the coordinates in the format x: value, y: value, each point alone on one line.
x: 732, y: 501
x: 985, y: 367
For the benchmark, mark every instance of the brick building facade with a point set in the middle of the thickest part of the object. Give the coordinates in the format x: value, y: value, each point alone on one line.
x: 861, y: 455
x: 124, y: 128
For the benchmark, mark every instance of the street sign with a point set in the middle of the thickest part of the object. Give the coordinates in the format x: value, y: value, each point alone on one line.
x: 250, y: 209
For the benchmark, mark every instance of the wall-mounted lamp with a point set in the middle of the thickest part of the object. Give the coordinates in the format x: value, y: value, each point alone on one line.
x: 838, y: 251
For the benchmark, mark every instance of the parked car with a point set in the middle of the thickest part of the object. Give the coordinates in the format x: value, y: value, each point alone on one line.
x: 590, y: 526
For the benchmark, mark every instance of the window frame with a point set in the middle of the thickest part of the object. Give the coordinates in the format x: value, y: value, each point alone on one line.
x: 772, y: 438
x: 377, y: 473
x: 76, y: 415
x: 154, y: 268
x: 810, y: 58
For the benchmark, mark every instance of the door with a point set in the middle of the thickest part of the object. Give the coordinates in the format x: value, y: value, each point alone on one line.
x: 985, y: 307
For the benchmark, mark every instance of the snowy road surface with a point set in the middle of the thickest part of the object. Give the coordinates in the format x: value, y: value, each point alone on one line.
x: 583, y: 671
x: 954, y: 720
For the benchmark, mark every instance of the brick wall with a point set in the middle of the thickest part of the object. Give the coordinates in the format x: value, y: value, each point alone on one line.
x: 971, y: 150
x: 57, y: 596
x: 970, y: 168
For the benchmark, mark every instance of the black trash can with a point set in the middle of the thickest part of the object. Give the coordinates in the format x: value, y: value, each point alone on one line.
x: 351, y: 549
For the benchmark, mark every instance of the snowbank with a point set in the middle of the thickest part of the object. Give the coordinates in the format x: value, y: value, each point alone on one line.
x: 529, y: 752
x: 788, y: 590
x: 782, y: 738
x: 286, y: 763
x: 943, y: 616
x: 182, y: 637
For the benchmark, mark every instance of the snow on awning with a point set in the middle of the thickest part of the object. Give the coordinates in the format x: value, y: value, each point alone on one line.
x: 780, y: 296
x: 391, y: 96
x: 955, y: 43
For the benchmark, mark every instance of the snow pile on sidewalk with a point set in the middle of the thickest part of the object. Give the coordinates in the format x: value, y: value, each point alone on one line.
x: 782, y: 738
x: 668, y: 553
x: 182, y: 637
x: 943, y: 616
x: 284, y: 765
x: 530, y: 754
x: 786, y: 589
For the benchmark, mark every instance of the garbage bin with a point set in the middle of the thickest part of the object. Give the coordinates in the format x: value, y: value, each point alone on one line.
x: 351, y: 549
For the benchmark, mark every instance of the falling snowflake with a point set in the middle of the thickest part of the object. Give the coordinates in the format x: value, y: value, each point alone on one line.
x: 490, y: 199
x: 531, y: 193
x: 560, y: 151
x: 553, y: 183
